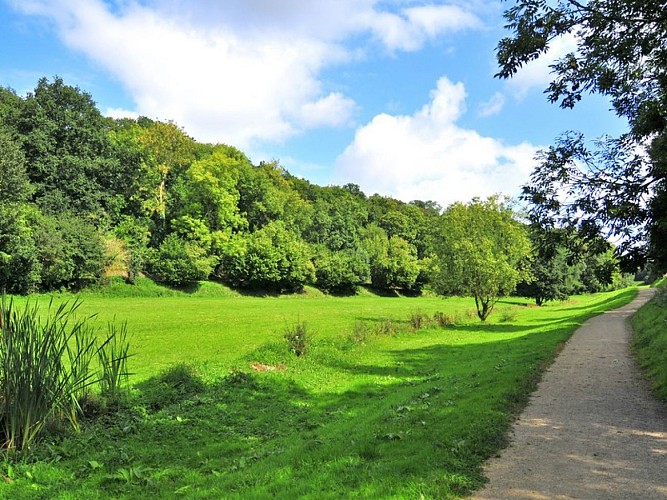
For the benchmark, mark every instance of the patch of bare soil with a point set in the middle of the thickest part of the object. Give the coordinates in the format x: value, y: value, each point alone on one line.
x: 592, y: 429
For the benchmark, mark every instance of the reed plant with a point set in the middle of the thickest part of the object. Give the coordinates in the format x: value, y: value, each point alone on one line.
x: 46, y: 367
x: 113, y: 354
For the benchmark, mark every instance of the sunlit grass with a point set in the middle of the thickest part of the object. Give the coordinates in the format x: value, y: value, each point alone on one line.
x: 391, y: 413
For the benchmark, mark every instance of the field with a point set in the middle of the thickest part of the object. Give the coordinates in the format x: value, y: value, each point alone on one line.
x: 396, y: 397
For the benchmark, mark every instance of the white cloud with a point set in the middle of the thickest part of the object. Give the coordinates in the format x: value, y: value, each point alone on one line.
x: 427, y: 156
x: 333, y: 110
x: 121, y: 113
x: 493, y: 106
x: 239, y: 71
x: 410, y: 29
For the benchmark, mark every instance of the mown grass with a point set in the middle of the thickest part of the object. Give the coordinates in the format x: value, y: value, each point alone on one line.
x: 649, y: 341
x: 375, y: 409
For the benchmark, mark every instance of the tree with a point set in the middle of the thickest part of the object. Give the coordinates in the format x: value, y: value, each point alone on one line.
x: 166, y: 153
x: 180, y: 262
x: 621, y: 53
x: 19, y: 267
x: 271, y: 258
x: 482, y: 251
x: 69, y: 158
x: 550, y: 278
x: 338, y: 219
x: 341, y: 271
x: 393, y: 261
x: 211, y: 192
x: 70, y: 252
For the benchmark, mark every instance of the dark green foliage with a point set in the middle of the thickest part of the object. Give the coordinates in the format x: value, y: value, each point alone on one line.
x: 271, y: 258
x: 338, y: 219
x: 165, y: 204
x: 621, y: 54
x: 20, y: 267
x: 72, y: 164
x: 550, y: 279
x: 180, y: 262
x: 393, y: 261
x: 70, y: 251
x: 14, y: 182
x: 342, y: 271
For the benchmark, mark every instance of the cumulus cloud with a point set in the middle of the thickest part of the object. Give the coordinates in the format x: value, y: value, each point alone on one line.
x: 333, y: 110
x: 411, y: 28
x: 493, y: 106
x: 238, y: 71
x: 427, y: 156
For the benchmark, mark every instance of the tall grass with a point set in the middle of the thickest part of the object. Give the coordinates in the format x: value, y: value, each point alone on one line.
x: 112, y: 355
x: 45, y: 368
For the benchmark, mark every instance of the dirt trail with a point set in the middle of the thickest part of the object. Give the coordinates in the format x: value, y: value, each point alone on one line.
x: 591, y: 430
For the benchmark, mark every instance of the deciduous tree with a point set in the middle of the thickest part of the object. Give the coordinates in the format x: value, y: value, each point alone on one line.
x: 616, y: 185
x: 482, y: 251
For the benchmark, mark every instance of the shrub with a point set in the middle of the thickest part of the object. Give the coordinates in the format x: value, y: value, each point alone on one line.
x: 419, y: 320
x: 443, y: 319
x: 385, y: 327
x: 180, y: 262
x: 270, y: 259
x: 508, y: 315
x: 70, y: 250
x: 298, y: 338
x: 341, y: 271
x: 360, y: 333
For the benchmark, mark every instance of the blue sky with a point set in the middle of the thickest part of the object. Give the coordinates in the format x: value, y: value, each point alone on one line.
x: 397, y: 96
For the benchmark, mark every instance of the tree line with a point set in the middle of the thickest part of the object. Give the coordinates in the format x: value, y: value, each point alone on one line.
x: 83, y: 196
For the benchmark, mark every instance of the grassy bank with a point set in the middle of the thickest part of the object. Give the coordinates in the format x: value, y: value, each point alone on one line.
x: 650, y: 340
x: 375, y: 409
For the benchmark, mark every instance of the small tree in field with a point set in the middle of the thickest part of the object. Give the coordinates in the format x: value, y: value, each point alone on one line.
x: 482, y: 251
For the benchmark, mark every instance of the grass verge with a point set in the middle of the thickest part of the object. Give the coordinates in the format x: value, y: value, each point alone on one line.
x: 649, y: 341
x: 395, y: 412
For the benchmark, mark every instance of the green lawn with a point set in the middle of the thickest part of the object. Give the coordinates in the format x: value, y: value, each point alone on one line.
x: 374, y: 410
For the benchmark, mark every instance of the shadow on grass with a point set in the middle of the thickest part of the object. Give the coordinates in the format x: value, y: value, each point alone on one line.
x: 404, y: 422
x: 421, y: 425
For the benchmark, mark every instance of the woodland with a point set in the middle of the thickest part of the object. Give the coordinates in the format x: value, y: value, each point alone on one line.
x: 84, y: 198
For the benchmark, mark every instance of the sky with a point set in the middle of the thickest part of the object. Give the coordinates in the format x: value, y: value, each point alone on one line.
x: 397, y: 96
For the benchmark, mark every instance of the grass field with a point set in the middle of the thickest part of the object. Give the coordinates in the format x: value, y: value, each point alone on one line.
x: 375, y: 409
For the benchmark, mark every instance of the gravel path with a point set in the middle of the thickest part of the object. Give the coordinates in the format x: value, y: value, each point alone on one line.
x: 591, y: 430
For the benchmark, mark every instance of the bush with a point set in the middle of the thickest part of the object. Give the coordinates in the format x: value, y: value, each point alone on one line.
x: 178, y: 262
x: 341, y: 271
x: 271, y: 258
x: 443, y: 319
x: 71, y: 252
x: 419, y: 320
x: 298, y: 339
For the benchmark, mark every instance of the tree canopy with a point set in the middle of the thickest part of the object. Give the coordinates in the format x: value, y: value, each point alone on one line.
x: 614, y: 186
x: 483, y: 252
x: 84, y: 198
